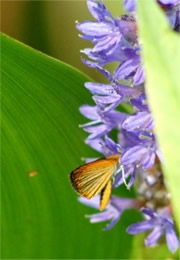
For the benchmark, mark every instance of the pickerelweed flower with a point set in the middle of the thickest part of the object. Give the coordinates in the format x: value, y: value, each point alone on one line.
x: 113, y: 211
x: 116, y: 40
x: 161, y: 224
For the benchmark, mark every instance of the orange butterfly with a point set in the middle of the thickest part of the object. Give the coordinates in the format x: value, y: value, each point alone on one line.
x: 96, y: 177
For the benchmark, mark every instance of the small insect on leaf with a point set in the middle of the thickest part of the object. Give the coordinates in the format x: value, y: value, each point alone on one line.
x: 96, y: 177
x: 32, y: 173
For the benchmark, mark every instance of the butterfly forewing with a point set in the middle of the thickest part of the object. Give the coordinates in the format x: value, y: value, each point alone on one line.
x: 91, y: 178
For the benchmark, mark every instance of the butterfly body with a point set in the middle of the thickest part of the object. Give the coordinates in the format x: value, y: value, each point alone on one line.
x: 96, y: 177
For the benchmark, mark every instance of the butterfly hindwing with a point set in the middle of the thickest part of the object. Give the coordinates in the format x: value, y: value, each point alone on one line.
x: 105, y: 195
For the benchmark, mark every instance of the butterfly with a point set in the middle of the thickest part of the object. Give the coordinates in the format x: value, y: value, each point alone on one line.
x: 96, y: 177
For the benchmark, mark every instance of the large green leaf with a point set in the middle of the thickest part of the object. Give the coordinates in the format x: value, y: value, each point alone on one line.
x: 41, y: 217
x: 161, y: 57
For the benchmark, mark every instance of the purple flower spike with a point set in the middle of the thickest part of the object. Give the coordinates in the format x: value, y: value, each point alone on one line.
x: 115, y: 40
x: 112, y: 212
x: 161, y: 224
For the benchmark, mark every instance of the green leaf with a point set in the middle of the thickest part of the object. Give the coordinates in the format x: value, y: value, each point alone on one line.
x: 161, y: 58
x: 41, y: 217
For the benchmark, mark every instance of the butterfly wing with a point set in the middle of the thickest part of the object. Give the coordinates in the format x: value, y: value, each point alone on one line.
x: 105, y: 195
x: 91, y: 178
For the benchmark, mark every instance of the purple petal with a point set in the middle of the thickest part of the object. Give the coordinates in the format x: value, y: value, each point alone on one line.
x: 112, y: 145
x: 148, y: 160
x: 125, y: 69
x: 154, y: 236
x: 108, y: 44
x: 105, y: 147
x: 126, y: 91
x: 98, y: 145
x: 132, y: 54
x: 104, y: 57
x: 113, y: 105
x: 140, y: 120
x: 117, y: 117
x: 139, y: 77
x: 98, y: 10
x: 118, y: 181
x: 124, y: 203
x: 112, y: 223
x: 168, y: 2
x: 128, y: 139
x: 132, y: 180
x: 133, y: 154
x: 95, y: 29
x: 100, y: 217
x: 130, y: 5
x: 89, y: 112
x: 140, y: 227
x: 86, y: 37
x: 172, y: 240
x: 90, y: 54
x: 111, y: 212
x: 106, y: 99
x: 98, y: 88
x: 146, y: 138
x: 117, y: 55
x: 93, y: 203
x: 149, y: 212
x: 95, y: 65
x: 140, y: 102
x: 97, y: 131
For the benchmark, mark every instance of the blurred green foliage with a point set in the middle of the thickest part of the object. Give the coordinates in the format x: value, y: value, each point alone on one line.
x: 49, y: 26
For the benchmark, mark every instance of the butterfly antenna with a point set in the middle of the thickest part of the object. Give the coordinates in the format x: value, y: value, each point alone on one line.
x: 123, y: 176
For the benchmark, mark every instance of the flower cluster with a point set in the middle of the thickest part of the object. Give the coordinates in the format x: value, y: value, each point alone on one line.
x: 115, y: 40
